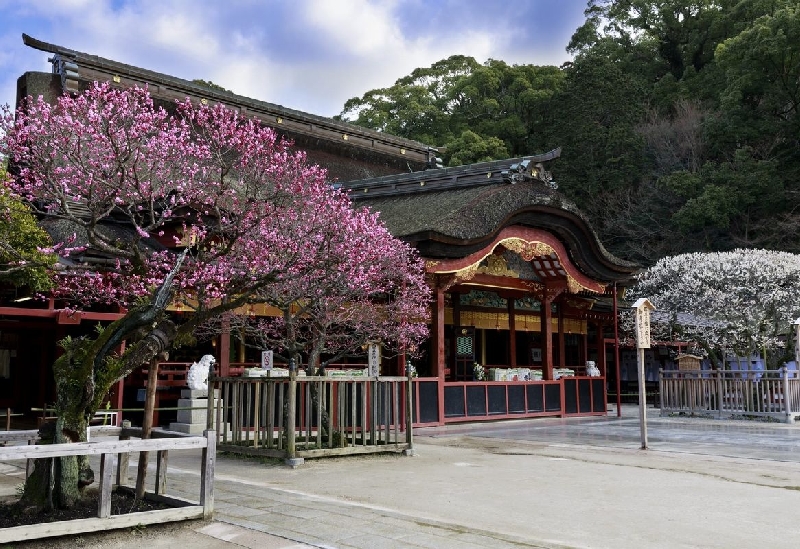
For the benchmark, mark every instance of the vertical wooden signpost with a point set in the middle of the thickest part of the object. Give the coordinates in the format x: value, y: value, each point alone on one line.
x: 374, y: 360
x: 797, y: 344
x: 642, y: 309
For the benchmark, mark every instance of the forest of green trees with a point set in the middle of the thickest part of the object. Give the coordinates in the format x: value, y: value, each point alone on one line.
x: 678, y: 120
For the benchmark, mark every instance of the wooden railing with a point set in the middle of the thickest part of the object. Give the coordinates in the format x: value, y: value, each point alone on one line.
x: 771, y: 393
x: 305, y: 417
x: 112, y: 452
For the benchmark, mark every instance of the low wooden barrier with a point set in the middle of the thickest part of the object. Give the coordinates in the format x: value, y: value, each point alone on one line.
x: 491, y: 400
x: 309, y: 417
x: 113, y: 452
x: 770, y: 393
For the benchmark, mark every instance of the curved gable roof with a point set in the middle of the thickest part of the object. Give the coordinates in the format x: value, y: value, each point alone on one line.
x: 453, y: 212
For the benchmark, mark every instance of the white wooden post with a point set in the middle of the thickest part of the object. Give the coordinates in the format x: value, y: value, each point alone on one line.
x: 642, y: 309
x: 161, y: 472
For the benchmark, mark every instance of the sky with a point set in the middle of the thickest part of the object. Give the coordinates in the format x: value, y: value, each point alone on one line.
x: 309, y: 55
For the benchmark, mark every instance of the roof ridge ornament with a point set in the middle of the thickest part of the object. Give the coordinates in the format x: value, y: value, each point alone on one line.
x: 531, y: 168
x: 433, y: 162
x: 67, y: 69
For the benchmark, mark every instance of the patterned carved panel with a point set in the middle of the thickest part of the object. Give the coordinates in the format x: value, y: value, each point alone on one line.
x: 478, y: 298
x: 518, y: 264
x: 464, y: 346
x: 527, y: 303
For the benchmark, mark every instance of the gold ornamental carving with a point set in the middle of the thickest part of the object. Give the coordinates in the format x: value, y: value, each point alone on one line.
x: 582, y: 304
x: 573, y: 285
x: 528, y: 250
x: 496, y: 265
x: 467, y: 273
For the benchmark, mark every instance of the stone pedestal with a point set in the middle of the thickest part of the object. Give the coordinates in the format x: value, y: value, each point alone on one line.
x: 192, y: 419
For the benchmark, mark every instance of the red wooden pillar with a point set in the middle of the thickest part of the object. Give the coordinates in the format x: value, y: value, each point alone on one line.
x: 586, y: 342
x: 562, y: 347
x: 601, y: 348
x: 616, y: 352
x: 437, y: 334
x: 225, y: 349
x: 437, y: 346
x: 547, y: 336
x: 512, y: 334
x: 456, y: 300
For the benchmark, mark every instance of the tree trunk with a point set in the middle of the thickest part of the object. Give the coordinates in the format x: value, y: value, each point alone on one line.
x: 73, y: 473
x: 147, y: 425
x: 84, y: 374
x: 59, y: 483
x: 317, y: 367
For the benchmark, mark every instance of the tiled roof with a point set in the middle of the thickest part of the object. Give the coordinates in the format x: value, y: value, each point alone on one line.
x: 82, y: 66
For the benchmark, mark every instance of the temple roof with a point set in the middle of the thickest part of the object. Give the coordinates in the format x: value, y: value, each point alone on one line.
x: 76, y: 67
x: 450, y: 213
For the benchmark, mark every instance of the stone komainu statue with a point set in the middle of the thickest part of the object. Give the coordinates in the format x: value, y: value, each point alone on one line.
x: 197, y: 378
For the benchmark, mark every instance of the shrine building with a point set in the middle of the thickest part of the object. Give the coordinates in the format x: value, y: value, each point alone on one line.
x: 520, y: 283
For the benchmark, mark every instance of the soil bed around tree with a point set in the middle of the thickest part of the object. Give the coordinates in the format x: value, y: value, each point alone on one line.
x: 14, y: 513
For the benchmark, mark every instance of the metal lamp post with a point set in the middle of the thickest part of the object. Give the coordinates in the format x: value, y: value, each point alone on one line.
x: 642, y: 308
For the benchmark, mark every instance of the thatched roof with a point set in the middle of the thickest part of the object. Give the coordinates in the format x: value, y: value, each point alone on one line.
x: 453, y: 212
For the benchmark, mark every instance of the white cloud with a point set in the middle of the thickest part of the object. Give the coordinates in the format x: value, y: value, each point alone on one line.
x: 309, y: 55
x: 360, y: 28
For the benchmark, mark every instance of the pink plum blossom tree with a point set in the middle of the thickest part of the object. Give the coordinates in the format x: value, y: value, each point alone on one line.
x: 357, y: 294
x: 202, y: 207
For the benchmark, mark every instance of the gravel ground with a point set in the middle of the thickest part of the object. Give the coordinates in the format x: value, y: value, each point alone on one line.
x: 157, y: 536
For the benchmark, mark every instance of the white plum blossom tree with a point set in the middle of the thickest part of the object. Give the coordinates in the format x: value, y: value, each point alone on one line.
x: 744, y: 300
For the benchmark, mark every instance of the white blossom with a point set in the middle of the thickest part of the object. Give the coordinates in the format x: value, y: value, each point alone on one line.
x: 744, y: 300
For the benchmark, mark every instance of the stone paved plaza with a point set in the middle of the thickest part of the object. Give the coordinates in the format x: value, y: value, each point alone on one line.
x: 577, y: 483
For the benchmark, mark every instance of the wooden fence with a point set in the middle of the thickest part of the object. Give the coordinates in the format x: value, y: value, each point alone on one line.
x: 771, y: 393
x: 305, y: 417
x: 114, y: 454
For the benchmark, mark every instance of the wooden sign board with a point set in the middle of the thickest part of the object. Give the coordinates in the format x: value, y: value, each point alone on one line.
x: 689, y: 362
x: 374, y: 360
x: 266, y: 360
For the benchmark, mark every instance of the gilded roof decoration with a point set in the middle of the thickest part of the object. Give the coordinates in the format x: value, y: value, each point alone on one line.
x: 496, y: 265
